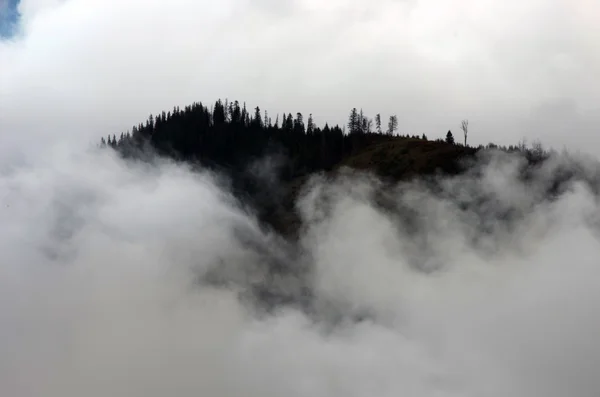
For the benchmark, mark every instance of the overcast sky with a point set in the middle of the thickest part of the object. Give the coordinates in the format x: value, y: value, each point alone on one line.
x: 78, y: 69
x: 118, y: 279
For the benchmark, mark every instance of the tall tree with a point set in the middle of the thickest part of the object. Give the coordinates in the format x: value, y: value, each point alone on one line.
x: 299, y: 124
x: 362, y: 123
x: 464, y: 125
x: 378, y: 123
x: 310, y: 127
x: 245, y: 115
x: 450, y: 138
x: 392, y: 125
x: 289, y: 123
x: 353, y: 122
x: 236, y: 113
x: 257, y: 120
x: 219, y: 113
x: 150, y: 122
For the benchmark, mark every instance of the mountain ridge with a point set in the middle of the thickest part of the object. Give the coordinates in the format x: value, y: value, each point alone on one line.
x: 268, y: 163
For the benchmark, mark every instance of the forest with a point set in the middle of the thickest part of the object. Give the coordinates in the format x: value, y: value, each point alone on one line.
x: 228, y: 136
x: 243, y: 145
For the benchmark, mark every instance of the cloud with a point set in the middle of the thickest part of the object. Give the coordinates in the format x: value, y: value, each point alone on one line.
x: 88, y: 68
x: 149, y: 279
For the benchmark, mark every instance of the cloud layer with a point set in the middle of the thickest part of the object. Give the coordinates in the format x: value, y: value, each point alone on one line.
x: 138, y: 280
x: 147, y: 280
x: 514, y: 68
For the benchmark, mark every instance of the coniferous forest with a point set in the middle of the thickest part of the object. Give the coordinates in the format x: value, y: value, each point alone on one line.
x: 231, y: 139
x: 228, y: 136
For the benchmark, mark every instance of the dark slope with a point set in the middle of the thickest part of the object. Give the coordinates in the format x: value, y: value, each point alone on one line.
x: 268, y: 162
x: 406, y: 157
x: 267, y: 166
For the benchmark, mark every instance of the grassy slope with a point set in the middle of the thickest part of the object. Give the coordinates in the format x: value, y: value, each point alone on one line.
x: 400, y: 159
x: 395, y: 159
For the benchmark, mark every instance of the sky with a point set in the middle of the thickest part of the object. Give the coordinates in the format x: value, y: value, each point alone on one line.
x: 9, y: 17
x: 126, y: 279
x: 81, y: 69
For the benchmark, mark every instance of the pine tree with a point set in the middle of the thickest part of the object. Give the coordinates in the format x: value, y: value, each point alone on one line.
x: 299, y: 124
x: 353, y: 121
x: 289, y: 123
x: 219, y: 113
x: 378, y: 123
x: 310, y: 128
x: 366, y: 125
x: 226, y: 110
x: 257, y: 120
x: 392, y: 125
x: 362, y: 124
x: 244, y: 115
x: 449, y: 138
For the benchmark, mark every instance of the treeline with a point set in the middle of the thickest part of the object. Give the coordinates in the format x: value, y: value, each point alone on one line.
x: 534, y: 153
x: 229, y: 136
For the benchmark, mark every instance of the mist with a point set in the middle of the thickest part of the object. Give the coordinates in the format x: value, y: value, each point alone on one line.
x: 147, y: 279
x: 515, y: 68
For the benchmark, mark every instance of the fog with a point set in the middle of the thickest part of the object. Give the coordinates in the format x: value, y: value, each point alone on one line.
x: 150, y: 279
x: 130, y: 279
x: 515, y: 68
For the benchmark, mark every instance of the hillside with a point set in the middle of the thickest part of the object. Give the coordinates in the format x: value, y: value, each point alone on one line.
x: 400, y: 158
x: 267, y: 163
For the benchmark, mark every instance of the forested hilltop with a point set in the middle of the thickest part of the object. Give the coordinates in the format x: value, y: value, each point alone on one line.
x: 240, y: 144
x: 229, y: 136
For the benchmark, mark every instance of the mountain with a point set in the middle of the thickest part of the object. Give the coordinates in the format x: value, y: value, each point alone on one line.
x: 267, y: 163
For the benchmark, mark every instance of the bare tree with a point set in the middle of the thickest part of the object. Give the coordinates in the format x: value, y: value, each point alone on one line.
x: 464, y: 125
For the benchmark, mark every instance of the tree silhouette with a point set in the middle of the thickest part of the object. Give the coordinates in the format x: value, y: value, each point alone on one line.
x: 257, y: 120
x: 353, y: 122
x: 464, y: 125
x: 392, y: 125
x: 310, y: 127
x: 226, y: 136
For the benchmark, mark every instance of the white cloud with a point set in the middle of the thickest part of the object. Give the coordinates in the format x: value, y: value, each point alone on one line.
x: 103, y: 285
x: 87, y: 68
x: 103, y: 288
